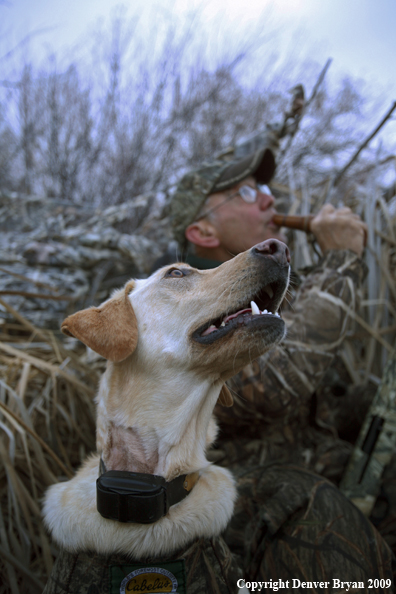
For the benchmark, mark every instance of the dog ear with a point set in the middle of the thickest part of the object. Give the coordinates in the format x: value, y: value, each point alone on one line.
x: 110, y: 329
x: 225, y: 398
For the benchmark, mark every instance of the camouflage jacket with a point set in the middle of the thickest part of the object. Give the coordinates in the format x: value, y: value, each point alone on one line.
x: 271, y: 415
x: 294, y: 527
x: 206, y: 566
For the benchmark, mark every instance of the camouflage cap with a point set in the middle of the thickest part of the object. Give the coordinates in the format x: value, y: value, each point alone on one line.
x: 197, y: 185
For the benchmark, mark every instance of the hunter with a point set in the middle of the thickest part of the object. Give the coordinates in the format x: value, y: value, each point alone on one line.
x: 289, y: 522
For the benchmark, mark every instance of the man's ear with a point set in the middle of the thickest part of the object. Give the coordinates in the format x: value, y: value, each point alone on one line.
x: 225, y: 398
x: 110, y: 329
x: 202, y: 233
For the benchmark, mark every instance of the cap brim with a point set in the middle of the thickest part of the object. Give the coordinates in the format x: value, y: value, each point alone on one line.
x: 261, y: 165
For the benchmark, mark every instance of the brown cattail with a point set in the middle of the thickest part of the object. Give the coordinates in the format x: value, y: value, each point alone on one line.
x: 294, y: 222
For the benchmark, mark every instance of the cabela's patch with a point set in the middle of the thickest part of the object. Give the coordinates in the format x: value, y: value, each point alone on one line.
x: 158, y: 578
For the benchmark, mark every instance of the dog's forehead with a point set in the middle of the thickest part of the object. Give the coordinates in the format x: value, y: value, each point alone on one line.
x: 163, y: 278
x: 165, y: 273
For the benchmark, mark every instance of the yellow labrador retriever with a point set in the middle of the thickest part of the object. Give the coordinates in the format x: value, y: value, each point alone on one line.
x: 171, y: 341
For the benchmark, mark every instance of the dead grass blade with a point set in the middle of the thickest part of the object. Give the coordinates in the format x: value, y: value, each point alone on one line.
x: 37, y: 438
x: 48, y: 367
x: 44, y: 404
x: 37, y: 585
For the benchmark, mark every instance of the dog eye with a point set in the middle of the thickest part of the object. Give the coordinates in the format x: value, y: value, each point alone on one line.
x: 175, y: 273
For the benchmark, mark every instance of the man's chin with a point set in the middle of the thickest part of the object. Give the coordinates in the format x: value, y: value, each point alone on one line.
x: 282, y: 237
x: 276, y: 233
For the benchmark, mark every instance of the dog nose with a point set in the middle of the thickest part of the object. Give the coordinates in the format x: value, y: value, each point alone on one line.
x: 274, y: 248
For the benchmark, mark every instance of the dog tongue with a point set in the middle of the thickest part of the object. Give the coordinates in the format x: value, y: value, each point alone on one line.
x: 238, y: 313
x: 213, y: 328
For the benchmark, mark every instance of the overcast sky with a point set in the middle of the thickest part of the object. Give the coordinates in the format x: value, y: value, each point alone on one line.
x: 358, y: 34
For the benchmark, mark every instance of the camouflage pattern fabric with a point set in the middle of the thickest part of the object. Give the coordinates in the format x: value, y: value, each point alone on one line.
x: 375, y: 445
x: 292, y: 524
x: 273, y: 417
x: 383, y: 515
x: 210, y: 569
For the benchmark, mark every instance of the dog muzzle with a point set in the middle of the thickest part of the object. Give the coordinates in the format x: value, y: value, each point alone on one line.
x: 140, y: 498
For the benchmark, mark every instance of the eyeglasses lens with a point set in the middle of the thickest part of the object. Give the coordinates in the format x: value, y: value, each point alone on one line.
x: 264, y: 189
x: 248, y: 194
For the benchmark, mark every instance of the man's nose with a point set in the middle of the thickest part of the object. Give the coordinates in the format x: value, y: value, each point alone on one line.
x: 265, y: 200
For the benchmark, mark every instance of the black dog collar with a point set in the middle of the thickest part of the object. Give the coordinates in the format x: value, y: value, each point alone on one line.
x: 140, y: 498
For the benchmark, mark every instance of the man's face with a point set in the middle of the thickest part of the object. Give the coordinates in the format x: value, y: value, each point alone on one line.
x: 239, y: 225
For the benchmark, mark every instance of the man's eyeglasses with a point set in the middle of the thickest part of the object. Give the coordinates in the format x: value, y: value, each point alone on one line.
x: 247, y: 193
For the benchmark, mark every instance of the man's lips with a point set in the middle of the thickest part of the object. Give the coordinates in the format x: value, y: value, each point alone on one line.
x: 269, y: 222
x: 273, y: 229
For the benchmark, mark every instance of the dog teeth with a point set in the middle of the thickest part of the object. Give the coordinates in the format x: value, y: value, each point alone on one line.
x: 269, y: 313
x: 255, y: 309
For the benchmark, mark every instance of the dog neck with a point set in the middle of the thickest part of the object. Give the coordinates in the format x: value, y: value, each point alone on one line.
x: 166, y: 432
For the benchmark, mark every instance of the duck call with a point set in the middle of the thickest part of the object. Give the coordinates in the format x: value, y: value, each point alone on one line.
x: 294, y: 222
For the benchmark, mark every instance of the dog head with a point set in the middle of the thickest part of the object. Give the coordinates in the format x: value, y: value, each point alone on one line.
x: 184, y: 318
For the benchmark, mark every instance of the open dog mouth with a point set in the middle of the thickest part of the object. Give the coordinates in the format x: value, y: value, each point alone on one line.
x: 261, y: 308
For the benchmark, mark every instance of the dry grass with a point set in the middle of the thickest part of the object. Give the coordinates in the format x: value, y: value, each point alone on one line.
x: 47, y: 428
